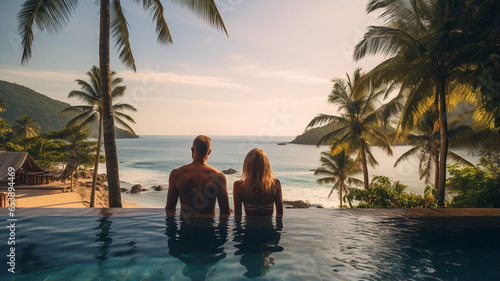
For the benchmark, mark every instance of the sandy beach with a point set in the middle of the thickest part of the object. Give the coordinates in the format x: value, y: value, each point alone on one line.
x: 58, y: 195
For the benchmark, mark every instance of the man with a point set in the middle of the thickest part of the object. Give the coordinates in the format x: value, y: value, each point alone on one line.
x: 197, y: 184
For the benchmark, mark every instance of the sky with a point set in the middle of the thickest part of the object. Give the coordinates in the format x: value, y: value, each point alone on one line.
x: 269, y: 77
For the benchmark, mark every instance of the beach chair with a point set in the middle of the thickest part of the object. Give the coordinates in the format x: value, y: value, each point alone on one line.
x: 68, y: 171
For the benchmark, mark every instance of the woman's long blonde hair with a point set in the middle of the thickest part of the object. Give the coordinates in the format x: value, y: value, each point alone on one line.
x: 257, y: 173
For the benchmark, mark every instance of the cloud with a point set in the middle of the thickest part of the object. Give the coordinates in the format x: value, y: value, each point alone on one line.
x: 296, y: 76
x: 14, y: 73
x: 150, y: 75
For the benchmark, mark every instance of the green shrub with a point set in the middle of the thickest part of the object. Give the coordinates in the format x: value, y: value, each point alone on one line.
x: 477, y: 186
x: 381, y: 194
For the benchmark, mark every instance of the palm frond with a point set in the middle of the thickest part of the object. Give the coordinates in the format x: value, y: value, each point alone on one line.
x: 76, y: 109
x: 413, y: 151
x: 119, y: 31
x: 206, y: 10
x: 459, y: 159
x: 324, y: 119
x: 155, y: 9
x: 51, y: 16
x: 85, y: 97
x: 123, y: 106
x: 123, y: 115
x: 124, y: 125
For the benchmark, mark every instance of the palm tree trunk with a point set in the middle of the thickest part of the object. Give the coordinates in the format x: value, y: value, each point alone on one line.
x: 107, y: 110
x: 443, y: 152
x: 436, y: 169
x: 96, y: 165
x: 340, y: 193
x: 365, y: 167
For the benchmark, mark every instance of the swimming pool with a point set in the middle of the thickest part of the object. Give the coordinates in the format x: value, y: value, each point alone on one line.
x: 314, y: 244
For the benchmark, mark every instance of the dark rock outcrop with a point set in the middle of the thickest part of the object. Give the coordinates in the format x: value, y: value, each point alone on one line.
x: 229, y: 171
x: 157, y: 187
x: 298, y: 204
x: 136, y: 188
x: 123, y: 189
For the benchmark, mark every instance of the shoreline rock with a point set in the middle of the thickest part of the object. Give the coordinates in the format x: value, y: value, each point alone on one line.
x: 229, y: 171
x: 297, y: 204
x: 136, y: 188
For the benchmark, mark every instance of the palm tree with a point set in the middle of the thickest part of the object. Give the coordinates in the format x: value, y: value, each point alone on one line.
x: 52, y: 16
x: 26, y: 127
x: 4, y: 128
x: 92, y: 112
x: 427, y: 53
x: 358, y: 125
x: 2, y: 104
x: 425, y: 144
x: 399, y: 187
x: 338, y: 169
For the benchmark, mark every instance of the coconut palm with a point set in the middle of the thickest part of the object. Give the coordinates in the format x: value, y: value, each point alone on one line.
x: 2, y: 104
x: 425, y: 140
x: 427, y: 57
x: 399, y: 187
x: 92, y: 112
x: 358, y: 124
x: 52, y: 16
x: 26, y: 127
x: 4, y: 128
x: 338, y: 169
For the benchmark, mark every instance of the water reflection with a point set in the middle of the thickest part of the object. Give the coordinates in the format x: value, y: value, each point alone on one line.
x: 198, y: 243
x: 257, y: 238
x: 103, y: 236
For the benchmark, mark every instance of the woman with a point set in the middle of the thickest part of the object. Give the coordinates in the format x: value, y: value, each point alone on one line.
x: 258, y: 190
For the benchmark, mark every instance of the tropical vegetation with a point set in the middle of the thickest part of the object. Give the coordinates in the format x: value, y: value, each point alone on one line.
x: 424, y: 139
x: 26, y: 127
x: 432, y: 56
x: 383, y: 194
x: 338, y: 170
x: 476, y: 186
x: 91, y: 112
x: 52, y: 16
x: 359, y: 122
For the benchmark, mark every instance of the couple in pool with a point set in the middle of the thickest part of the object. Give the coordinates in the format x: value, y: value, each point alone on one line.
x: 198, y: 186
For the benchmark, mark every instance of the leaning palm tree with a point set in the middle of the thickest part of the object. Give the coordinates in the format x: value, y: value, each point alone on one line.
x: 338, y: 169
x: 92, y: 112
x: 358, y: 124
x: 427, y: 58
x: 425, y: 144
x: 26, y: 127
x: 52, y: 16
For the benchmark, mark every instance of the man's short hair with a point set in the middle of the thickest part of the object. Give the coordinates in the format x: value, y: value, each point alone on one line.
x: 201, y: 145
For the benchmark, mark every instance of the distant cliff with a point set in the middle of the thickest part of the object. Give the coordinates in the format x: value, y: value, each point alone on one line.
x: 312, y: 136
x: 44, y: 110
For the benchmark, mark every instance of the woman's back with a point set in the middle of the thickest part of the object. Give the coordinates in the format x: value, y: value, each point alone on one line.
x: 258, y: 204
x: 258, y: 190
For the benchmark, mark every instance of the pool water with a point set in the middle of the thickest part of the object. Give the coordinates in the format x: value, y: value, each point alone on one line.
x: 314, y: 244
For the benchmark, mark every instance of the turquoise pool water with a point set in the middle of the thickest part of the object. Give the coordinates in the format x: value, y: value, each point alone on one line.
x: 314, y: 244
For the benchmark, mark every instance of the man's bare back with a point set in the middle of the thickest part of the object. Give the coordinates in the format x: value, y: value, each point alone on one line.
x: 198, y: 186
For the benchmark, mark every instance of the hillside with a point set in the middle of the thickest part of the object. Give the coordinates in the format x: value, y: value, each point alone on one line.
x: 44, y: 110
x: 312, y: 136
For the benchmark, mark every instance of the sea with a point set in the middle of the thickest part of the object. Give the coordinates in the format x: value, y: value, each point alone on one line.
x: 148, y: 161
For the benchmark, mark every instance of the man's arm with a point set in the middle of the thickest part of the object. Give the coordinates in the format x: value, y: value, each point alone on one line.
x: 172, y: 194
x: 222, y: 197
x: 278, y: 201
